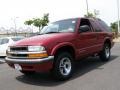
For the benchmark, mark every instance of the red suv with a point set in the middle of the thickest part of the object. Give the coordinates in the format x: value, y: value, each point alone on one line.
x: 59, y: 45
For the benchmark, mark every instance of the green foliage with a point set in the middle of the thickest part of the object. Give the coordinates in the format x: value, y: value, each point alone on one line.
x: 114, y: 26
x: 45, y: 20
x: 92, y: 15
x: 89, y: 15
x: 38, y: 22
x: 29, y: 22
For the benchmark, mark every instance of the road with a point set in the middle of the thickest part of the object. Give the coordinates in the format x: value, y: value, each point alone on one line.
x: 90, y: 74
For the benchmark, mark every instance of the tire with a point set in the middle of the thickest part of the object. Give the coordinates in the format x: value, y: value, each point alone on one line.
x: 105, y: 54
x: 63, y: 66
x: 28, y: 73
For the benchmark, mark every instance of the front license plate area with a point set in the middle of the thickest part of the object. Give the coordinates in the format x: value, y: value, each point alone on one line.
x: 18, y: 67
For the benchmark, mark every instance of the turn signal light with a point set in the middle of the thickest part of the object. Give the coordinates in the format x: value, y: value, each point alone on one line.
x: 40, y: 55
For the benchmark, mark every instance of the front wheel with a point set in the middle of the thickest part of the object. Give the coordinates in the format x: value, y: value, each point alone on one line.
x: 63, y: 66
x: 105, y: 54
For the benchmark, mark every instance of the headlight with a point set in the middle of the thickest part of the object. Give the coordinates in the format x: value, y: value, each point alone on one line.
x: 8, y: 49
x: 36, y: 48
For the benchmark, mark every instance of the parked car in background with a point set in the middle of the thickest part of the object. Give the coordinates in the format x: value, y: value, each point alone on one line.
x: 59, y: 45
x: 6, y: 41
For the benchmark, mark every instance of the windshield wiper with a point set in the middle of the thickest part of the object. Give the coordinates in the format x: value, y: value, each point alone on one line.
x: 47, y: 33
x: 50, y: 32
x: 40, y: 33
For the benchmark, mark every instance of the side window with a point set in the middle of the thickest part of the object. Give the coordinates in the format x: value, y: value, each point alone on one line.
x: 4, y: 41
x: 95, y: 26
x: 105, y: 27
x: 86, y: 22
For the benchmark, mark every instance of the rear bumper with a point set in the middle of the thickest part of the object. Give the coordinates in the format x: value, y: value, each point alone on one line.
x: 37, y: 65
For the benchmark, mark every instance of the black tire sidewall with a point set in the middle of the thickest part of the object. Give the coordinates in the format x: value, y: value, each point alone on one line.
x: 102, y: 55
x: 57, y: 73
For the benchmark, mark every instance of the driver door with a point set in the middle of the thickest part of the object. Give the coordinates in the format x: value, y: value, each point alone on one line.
x: 86, y: 40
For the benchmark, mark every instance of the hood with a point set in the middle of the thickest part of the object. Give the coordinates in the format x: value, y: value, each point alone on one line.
x: 44, y: 39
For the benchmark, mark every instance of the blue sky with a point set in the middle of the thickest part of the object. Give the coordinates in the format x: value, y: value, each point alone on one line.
x: 58, y: 9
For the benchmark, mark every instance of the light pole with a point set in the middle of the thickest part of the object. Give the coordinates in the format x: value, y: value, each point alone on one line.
x: 15, y: 26
x: 87, y: 7
x: 118, y: 16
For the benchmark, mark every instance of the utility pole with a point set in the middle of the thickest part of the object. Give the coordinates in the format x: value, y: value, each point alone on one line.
x: 118, y: 17
x: 15, y: 26
x: 87, y: 7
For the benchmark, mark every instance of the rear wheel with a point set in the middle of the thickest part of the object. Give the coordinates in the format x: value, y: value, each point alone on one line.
x: 63, y: 66
x: 105, y: 53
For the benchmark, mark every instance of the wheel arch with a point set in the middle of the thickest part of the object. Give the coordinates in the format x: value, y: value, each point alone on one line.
x: 68, y: 47
x: 108, y: 41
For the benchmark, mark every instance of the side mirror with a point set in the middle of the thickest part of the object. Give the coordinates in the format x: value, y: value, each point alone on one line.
x: 84, y: 28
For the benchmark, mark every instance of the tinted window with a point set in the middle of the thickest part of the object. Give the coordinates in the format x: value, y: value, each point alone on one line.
x: 95, y: 26
x: 86, y: 22
x: 16, y: 39
x: 4, y: 41
x: 104, y: 26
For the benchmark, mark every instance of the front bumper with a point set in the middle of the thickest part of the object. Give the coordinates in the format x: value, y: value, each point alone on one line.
x: 37, y: 65
x: 29, y: 61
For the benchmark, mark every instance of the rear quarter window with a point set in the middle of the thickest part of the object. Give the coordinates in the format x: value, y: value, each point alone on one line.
x: 104, y: 26
x: 95, y: 26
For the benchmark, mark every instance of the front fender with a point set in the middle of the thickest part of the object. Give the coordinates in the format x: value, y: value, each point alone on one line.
x: 55, y: 48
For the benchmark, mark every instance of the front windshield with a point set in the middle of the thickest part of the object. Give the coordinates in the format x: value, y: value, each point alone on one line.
x: 60, y: 26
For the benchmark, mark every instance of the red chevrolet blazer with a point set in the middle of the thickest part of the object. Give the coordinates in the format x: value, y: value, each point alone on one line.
x: 59, y: 45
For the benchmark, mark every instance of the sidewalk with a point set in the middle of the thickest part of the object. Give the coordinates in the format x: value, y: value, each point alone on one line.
x: 117, y: 39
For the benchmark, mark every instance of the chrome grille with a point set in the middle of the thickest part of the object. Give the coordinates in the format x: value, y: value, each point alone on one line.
x: 18, y: 55
x: 20, y: 52
x: 19, y: 49
x: 15, y: 52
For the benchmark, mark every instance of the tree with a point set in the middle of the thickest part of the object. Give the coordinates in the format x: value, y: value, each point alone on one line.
x: 92, y: 15
x: 38, y: 22
x: 45, y: 20
x: 114, y: 27
x: 89, y: 15
x: 29, y: 22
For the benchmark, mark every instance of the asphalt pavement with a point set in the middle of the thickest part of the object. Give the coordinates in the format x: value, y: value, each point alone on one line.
x: 90, y: 74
